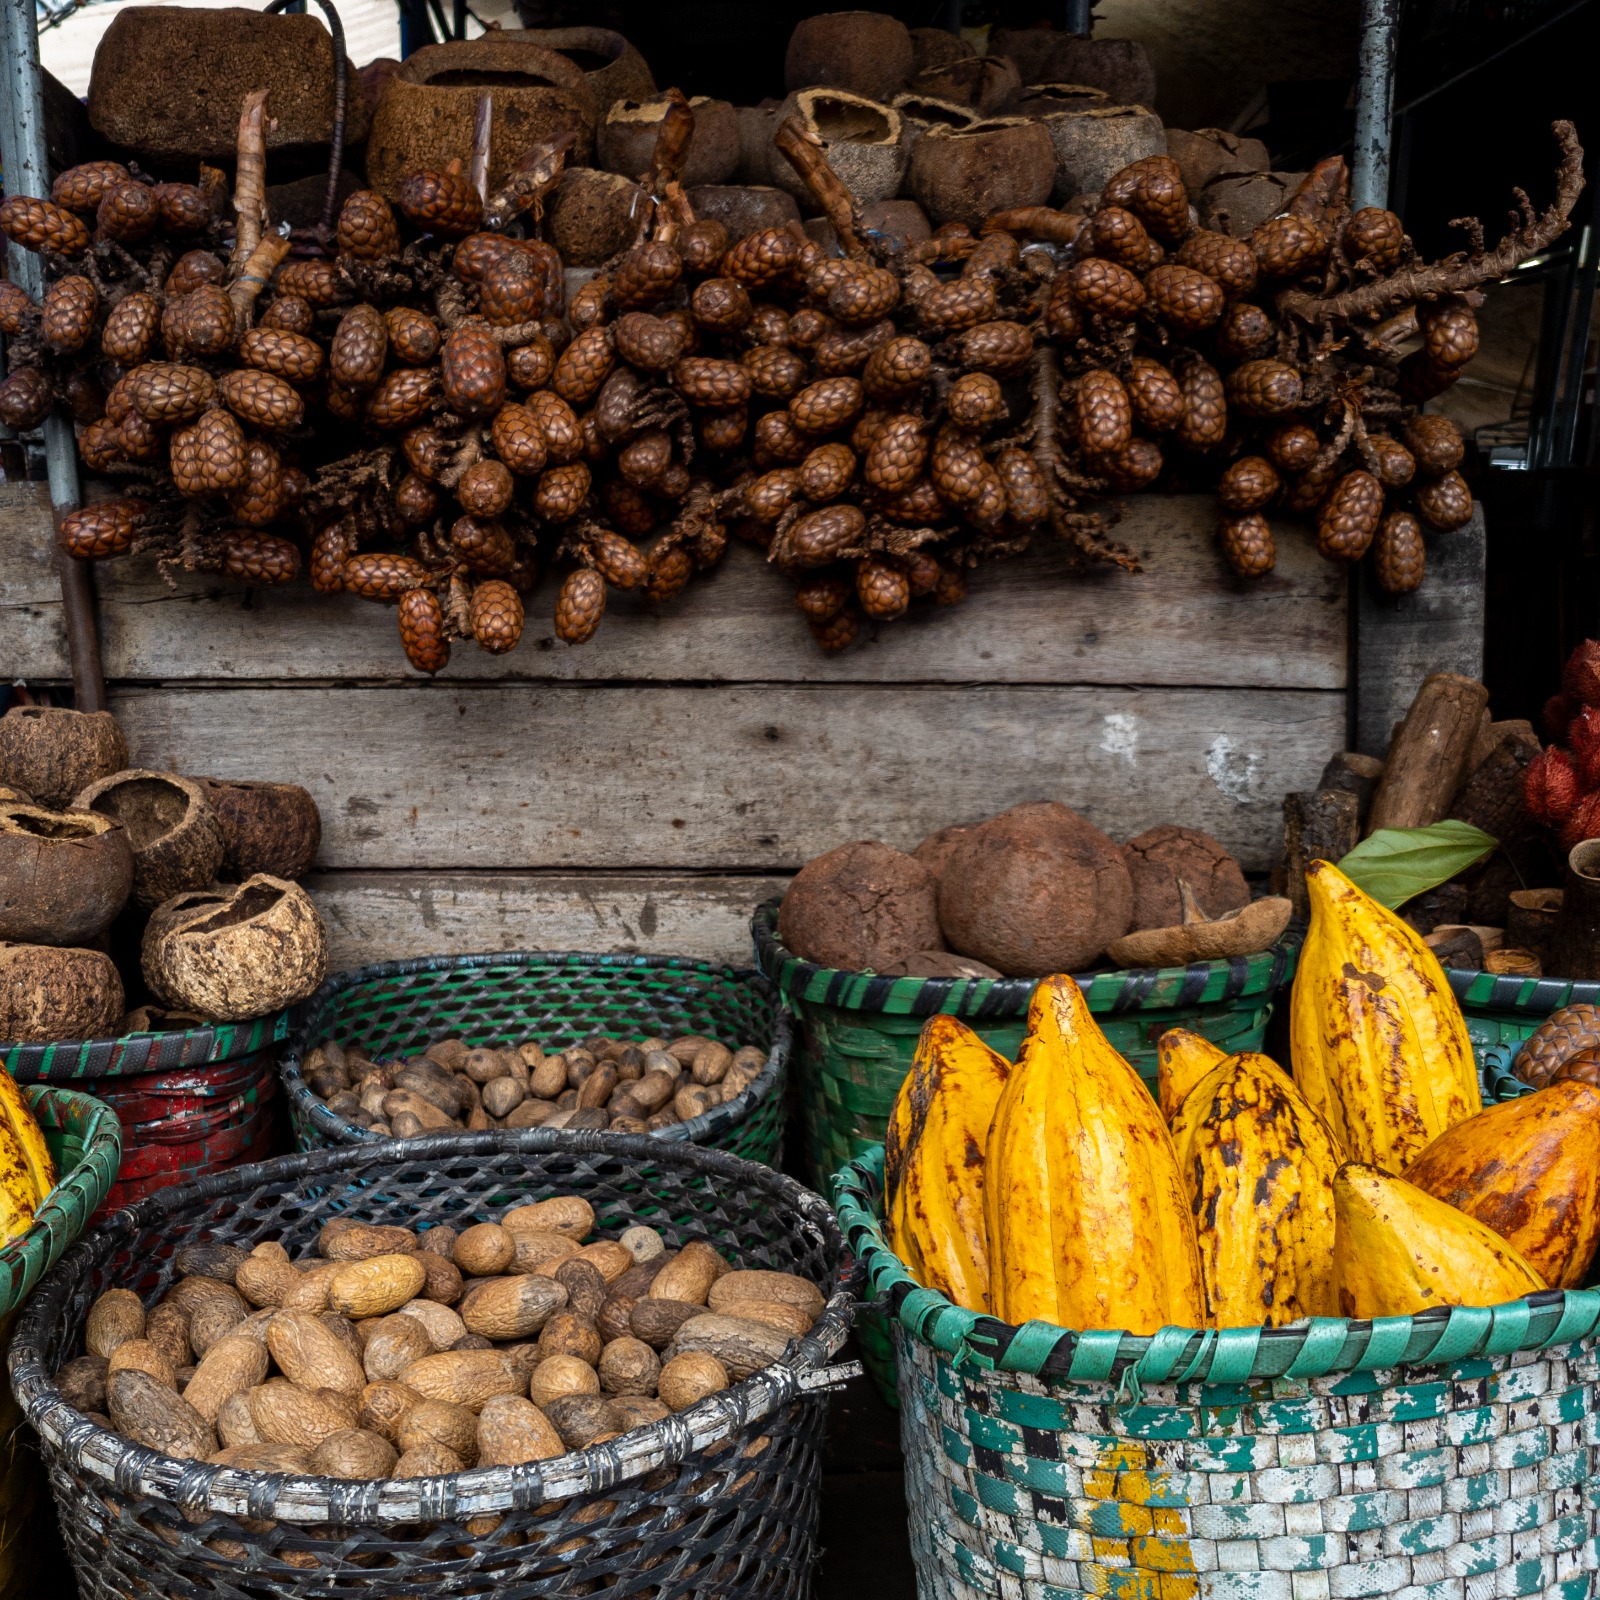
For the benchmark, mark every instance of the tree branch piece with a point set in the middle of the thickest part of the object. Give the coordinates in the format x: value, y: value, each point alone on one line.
x: 805, y: 156
x: 250, y: 180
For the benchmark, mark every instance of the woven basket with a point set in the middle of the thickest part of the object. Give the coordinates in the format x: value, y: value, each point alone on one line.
x: 66, y: 1060
x: 499, y: 999
x: 718, y: 1500
x: 1445, y: 1456
x: 859, y: 1031
x: 1501, y: 1009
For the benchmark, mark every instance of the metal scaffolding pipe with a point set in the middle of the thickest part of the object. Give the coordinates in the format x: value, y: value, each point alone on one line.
x: 27, y: 172
x: 1380, y: 26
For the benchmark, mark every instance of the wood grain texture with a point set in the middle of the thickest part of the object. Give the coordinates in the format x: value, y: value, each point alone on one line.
x: 1183, y: 620
x: 392, y: 916
x: 757, y: 778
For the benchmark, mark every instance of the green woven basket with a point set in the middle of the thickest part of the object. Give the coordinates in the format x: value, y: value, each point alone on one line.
x: 503, y: 998
x: 858, y: 1031
x: 1445, y: 1456
x: 1504, y: 1010
x: 63, y: 1061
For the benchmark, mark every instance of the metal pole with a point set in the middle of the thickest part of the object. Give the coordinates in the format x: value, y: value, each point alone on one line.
x: 27, y: 172
x: 1380, y: 24
x: 1080, y: 17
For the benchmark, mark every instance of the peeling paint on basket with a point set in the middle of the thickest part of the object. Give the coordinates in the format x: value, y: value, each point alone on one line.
x: 1138, y: 1529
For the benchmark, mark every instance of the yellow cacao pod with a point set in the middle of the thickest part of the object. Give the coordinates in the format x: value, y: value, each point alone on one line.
x: 1379, y: 1043
x: 1182, y: 1060
x: 934, y: 1161
x: 19, y: 1126
x: 1530, y: 1170
x: 1258, y: 1164
x: 1087, y: 1221
x: 1397, y: 1251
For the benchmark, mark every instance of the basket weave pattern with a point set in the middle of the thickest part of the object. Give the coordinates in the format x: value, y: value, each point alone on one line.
x: 718, y: 1500
x: 400, y: 1006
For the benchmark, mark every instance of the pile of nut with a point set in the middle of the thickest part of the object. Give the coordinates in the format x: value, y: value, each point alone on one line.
x: 393, y: 1354
x: 624, y: 1085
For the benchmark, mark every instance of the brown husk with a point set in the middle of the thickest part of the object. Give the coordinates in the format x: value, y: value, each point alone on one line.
x: 51, y: 752
x: 1238, y: 933
x: 64, y: 875
x: 176, y: 837
x: 48, y: 994
x: 266, y: 827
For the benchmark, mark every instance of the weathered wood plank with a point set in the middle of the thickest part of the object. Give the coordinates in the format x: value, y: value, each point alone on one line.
x: 758, y: 778
x: 394, y: 916
x: 1183, y: 620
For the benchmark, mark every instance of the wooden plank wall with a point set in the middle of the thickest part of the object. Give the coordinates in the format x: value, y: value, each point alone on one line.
x: 646, y: 790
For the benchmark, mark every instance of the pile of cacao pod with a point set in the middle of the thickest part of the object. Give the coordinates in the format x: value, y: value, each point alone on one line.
x: 414, y: 414
x: 1373, y: 1183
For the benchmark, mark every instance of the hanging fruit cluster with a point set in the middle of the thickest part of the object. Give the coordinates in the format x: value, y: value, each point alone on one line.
x: 416, y: 416
x: 1561, y: 787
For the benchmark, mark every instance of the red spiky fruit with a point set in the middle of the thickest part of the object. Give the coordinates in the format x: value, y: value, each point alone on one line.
x: 1583, y: 740
x: 1584, y: 823
x: 1550, y: 791
x: 1556, y: 715
x: 1581, y: 679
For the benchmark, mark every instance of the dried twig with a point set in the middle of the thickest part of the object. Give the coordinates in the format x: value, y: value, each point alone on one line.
x: 256, y: 273
x: 250, y: 180
x: 805, y: 155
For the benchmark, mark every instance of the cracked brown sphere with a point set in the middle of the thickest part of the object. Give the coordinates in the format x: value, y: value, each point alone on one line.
x: 1159, y: 857
x: 860, y: 907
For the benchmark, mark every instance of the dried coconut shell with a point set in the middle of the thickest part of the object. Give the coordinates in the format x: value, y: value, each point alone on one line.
x: 626, y: 142
x: 176, y: 837
x: 1238, y: 933
x: 621, y: 71
x: 266, y: 827
x: 52, y: 753
x: 861, y: 139
x: 935, y: 851
x: 254, y: 950
x: 920, y: 112
x: 64, y: 875
x: 865, y: 52
x: 1094, y: 143
x: 937, y: 47
x: 862, y: 906
x: 1158, y: 858
x: 744, y: 209
x: 48, y: 993
x: 590, y: 216
x: 964, y: 174
x: 986, y: 83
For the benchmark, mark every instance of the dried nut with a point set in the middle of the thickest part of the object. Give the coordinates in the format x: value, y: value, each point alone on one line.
x: 140, y: 1355
x: 375, y: 1286
x: 309, y: 1354
x: 152, y: 1414
x: 689, y: 1378
x: 463, y: 1377
x: 354, y: 1453
x: 656, y: 1322
x: 642, y: 1243
x: 511, y: 1308
x: 485, y: 1248
x: 116, y: 1317
x: 787, y: 1288
x: 441, y: 1277
x: 629, y: 1366
x: 440, y: 1423
x: 512, y: 1430
x: 360, y: 1241
x: 284, y: 1413
x: 393, y: 1345
x: 384, y: 1407
x: 569, y: 1215
x: 537, y: 1249
x: 570, y: 1333
x: 443, y: 1323
x: 560, y: 1375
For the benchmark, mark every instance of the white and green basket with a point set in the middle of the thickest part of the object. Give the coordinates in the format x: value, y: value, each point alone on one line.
x: 1445, y: 1456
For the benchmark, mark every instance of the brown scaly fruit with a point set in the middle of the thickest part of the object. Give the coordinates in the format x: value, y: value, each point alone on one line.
x: 1156, y: 395
x: 1184, y: 298
x: 1105, y: 416
x: 367, y: 230
x: 1118, y: 235
x: 378, y: 576
x: 261, y: 497
x: 330, y: 549
x: 1445, y: 503
x: 444, y: 203
x: 1248, y: 484
x: 1287, y: 246
x: 1449, y: 334
x: 1264, y: 388
x: 67, y: 317
x: 402, y: 397
x: 472, y: 371
x: 129, y: 334
x: 618, y: 560
x: 882, y: 588
x: 1153, y: 188
x: 262, y: 399
x: 163, y: 393
x: 1435, y: 442
x: 580, y: 605
x: 16, y: 308
x: 205, y: 322
x: 128, y: 212
x: 1245, y: 331
x: 360, y: 345
x: 193, y: 268
x: 258, y: 558
x: 106, y: 528
x: 83, y: 187
x: 1228, y: 261
x: 290, y: 313
x: 183, y: 207
x: 1562, y: 1035
x: 291, y: 356
x: 1349, y: 517
x: 420, y: 617
x: 1375, y: 238
x: 414, y: 336
x: 208, y: 456
x: 316, y: 282
x: 1106, y: 289
x: 1399, y: 556
x: 1204, y: 424
x: 42, y: 225
x: 496, y: 616
x: 1248, y: 545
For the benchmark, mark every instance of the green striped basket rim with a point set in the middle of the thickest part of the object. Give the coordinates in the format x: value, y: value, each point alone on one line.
x: 89, y: 1138
x: 1499, y: 1081
x: 1532, y: 997
x: 1139, y: 989
x: 1318, y: 1346
x: 63, y: 1060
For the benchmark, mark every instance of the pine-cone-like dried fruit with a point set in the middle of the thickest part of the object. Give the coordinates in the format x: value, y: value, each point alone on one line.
x: 919, y: 506
x: 1394, y: 465
x: 139, y: 440
x: 262, y: 398
x: 628, y: 508
x: 485, y: 488
x: 826, y: 405
x: 827, y: 472
x: 882, y: 588
x: 1247, y: 484
x: 864, y: 294
x: 129, y: 334
x: 495, y: 616
x: 822, y: 598
x: 163, y: 393
x: 649, y: 343
x: 367, y: 230
x: 869, y: 428
x: 644, y: 458
x: 67, y: 316
x: 1248, y: 545
x: 402, y: 397
x: 519, y: 441
x: 818, y: 538
x: 1450, y: 335
x: 898, y: 455
x: 584, y: 366
x: 1245, y: 331
x: 472, y: 371
x: 1375, y: 237
x: 377, y: 575
x: 1228, y: 261
x: 208, y: 456
x: 897, y: 370
x: 1063, y: 316
x: 975, y: 401
x: 1312, y: 487
x: 670, y: 569
x: 16, y: 308
x: 1445, y: 503
x: 778, y: 441
x: 483, y: 545
x: 1565, y: 1033
x: 1027, y: 493
x: 100, y: 445
x: 1106, y: 289
x: 1293, y: 447
x: 1287, y: 246
x: 420, y: 616
x: 763, y: 258
x: 1104, y: 414
x: 561, y: 492
x: 42, y: 225
x: 1118, y: 235
x: 1183, y: 298
x: 953, y: 307
x: 769, y: 324
x: 720, y: 305
x: 128, y: 212
x: 1265, y: 388
x: 837, y: 633
x: 444, y: 203
x: 291, y: 356
x: 290, y: 314
x: 775, y: 372
x: 530, y: 365
x: 1135, y: 466
x: 646, y: 275
x: 193, y: 268
x: 205, y: 322
x: 580, y: 605
x: 106, y: 528
x: 703, y: 243
x: 1156, y: 396
x: 958, y: 468
x: 511, y: 291
x: 83, y: 187
x: 1349, y: 517
x: 263, y: 495
x: 415, y: 500
x: 1435, y: 442
x: 315, y: 281
x: 619, y: 561
x: 1153, y: 188
x: 333, y: 545
x: 1398, y: 553
x: 259, y: 558
x: 710, y: 381
x: 414, y: 336
x: 1205, y: 410
x: 845, y: 350
x: 769, y: 496
x: 183, y: 207
x: 563, y: 435
x: 360, y: 347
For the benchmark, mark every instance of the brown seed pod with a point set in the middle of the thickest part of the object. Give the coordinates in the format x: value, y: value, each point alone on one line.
x: 720, y: 305
x: 1228, y: 261
x: 778, y: 442
x: 1248, y: 545
x: 42, y: 225
x: 709, y: 381
x: 1435, y: 442
x: 360, y: 346
x: 1153, y: 188
x: 649, y: 343
x: 291, y: 356
x: 644, y: 458
x: 330, y: 549
x: 260, y: 499
x: 376, y: 575
x: 511, y: 291
x: 826, y: 405
x: 919, y: 506
x: 290, y: 313
x: 775, y: 372
x: 421, y: 620
x: 670, y: 568
x: 673, y: 484
x: 367, y: 230
x: 478, y: 252
x: 818, y: 538
x: 1063, y: 317
x: 1445, y: 503
x: 415, y: 500
x: 208, y: 456
x: 262, y: 398
x: 100, y: 445
x: 1106, y: 289
x: 807, y: 326
x: 1027, y: 493
x: 561, y: 492
x: 1156, y: 396
x: 1245, y: 331
x: 951, y: 589
x: 193, y: 268
x: 1184, y: 298
x: 846, y: 350
x: 975, y: 401
x: 618, y: 560
x: 822, y: 598
x: 1104, y: 414
x: 769, y: 496
x: 1287, y: 246
x: 1135, y: 466
x: 703, y: 244
x: 827, y: 472
x: 1399, y: 557
x: 140, y: 440
x: 1349, y: 517
x: 1118, y: 235
x: 723, y: 431
x: 1375, y: 238
x: 518, y: 440
x: 314, y: 281
x: 1293, y: 447
x: 863, y: 294
x: 444, y: 203
x: 1312, y: 487
x: 83, y: 187
x: 763, y: 259
x: 495, y: 616
x: 837, y: 633
x: 402, y: 397
x: 164, y: 393
x: 958, y: 468
x: 128, y: 212
x: 563, y: 435
x: 259, y: 558
x: 580, y: 605
x: 1205, y: 410
x: 472, y: 371
x: 183, y: 207
x: 1265, y: 388
x: 106, y: 528
x: 427, y: 452
x: 1449, y: 335
x: 898, y: 370
x: 1247, y: 484
x: 646, y: 275
x: 584, y: 366
x: 628, y: 508
x: 414, y: 336
x: 898, y: 455
x: 1394, y: 465
x: 66, y: 318
x: 882, y: 588
x: 16, y: 308
x: 483, y: 545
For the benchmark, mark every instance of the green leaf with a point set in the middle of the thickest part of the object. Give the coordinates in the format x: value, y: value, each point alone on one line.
x: 1397, y: 864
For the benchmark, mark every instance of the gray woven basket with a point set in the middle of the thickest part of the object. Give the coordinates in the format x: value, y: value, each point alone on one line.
x: 1446, y: 1456
x: 718, y: 1500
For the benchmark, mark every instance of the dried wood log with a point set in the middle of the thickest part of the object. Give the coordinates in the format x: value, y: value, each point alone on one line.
x: 1491, y: 797
x: 1355, y: 773
x: 1318, y: 825
x: 1429, y: 753
x: 1531, y: 920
